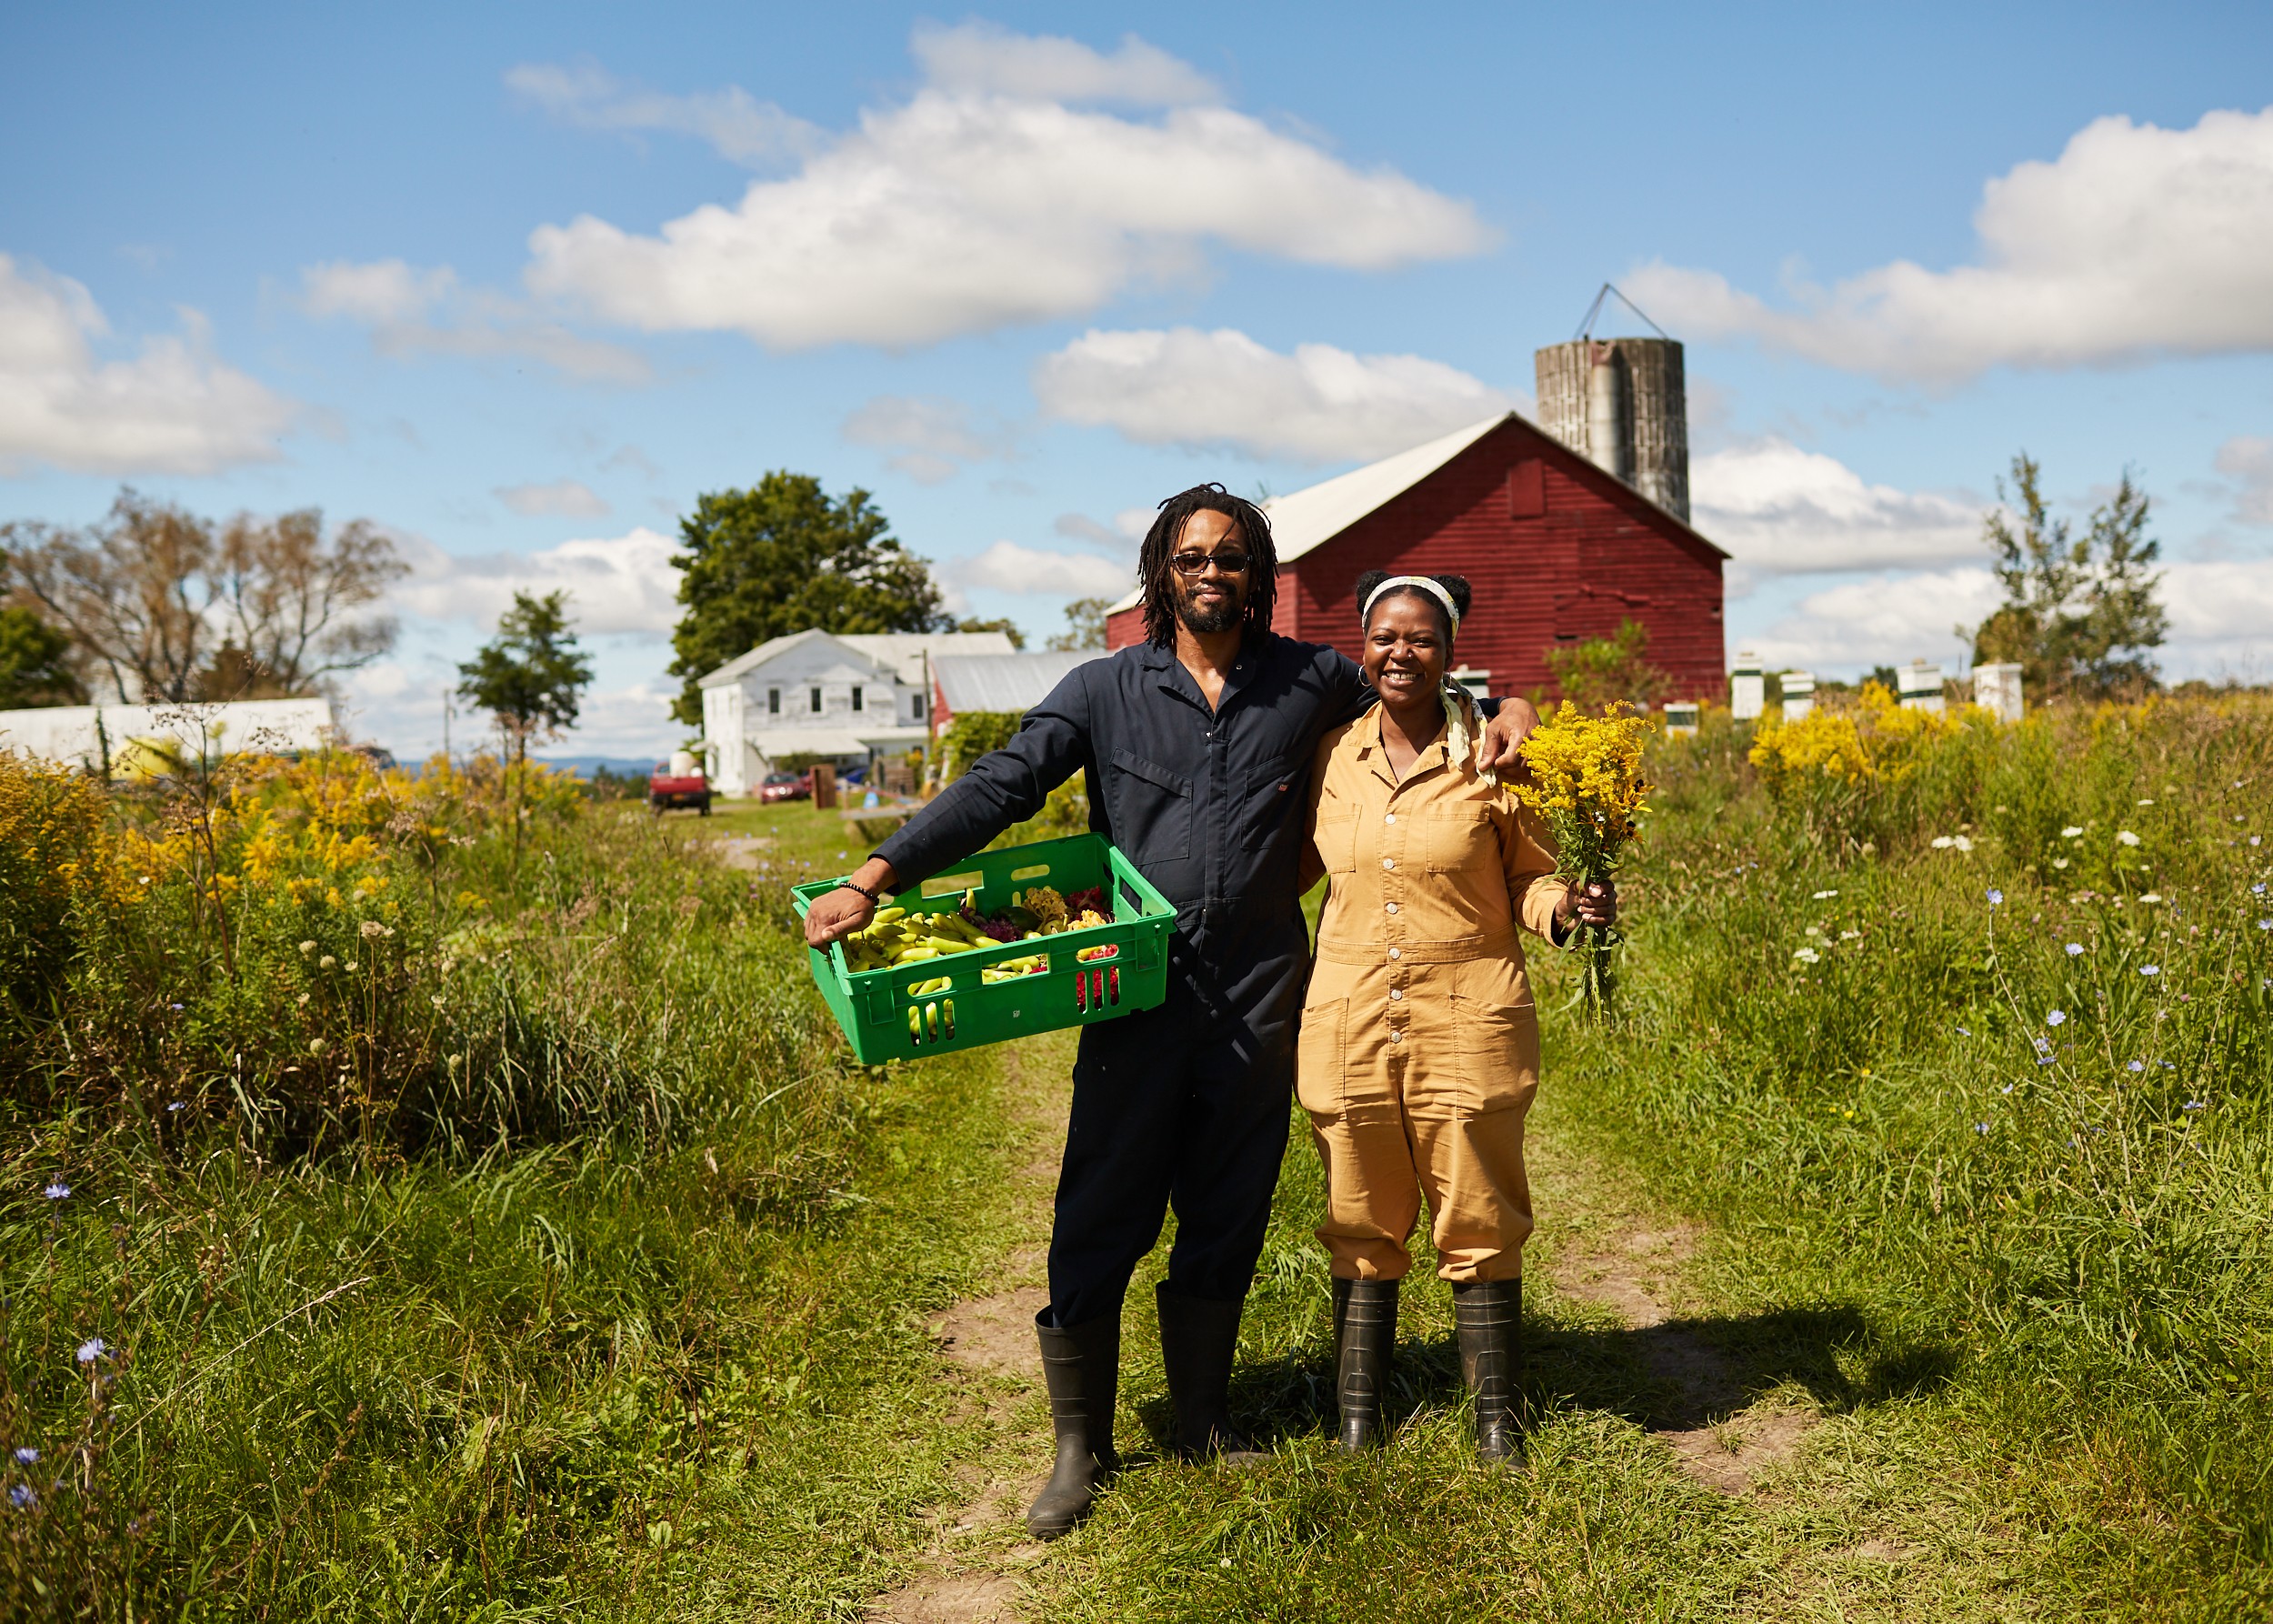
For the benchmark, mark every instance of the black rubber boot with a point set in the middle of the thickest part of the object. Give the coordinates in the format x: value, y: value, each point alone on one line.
x: 1081, y: 1366
x: 1364, y: 1338
x: 1198, y: 1338
x: 1489, y: 1315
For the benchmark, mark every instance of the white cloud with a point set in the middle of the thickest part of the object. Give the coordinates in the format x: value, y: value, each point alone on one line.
x: 620, y: 584
x: 567, y: 497
x: 2134, y: 241
x: 1008, y: 567
x: 966, y: 210
x: 412, y: 312
x: 635, y: 720
x: 172, y: 409
x: 741, y: 128
x: 1781, y: 510
x: 1886, y: 620
x: 986, y: 59
x: 2219, y: 613
x: 2248, y: 460
x: 1121, y: 538
x: 1222, y: 390
x: 931, y: 436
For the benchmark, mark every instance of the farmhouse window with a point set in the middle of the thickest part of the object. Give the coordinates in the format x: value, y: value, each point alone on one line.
x: 856, y: 692
x: 917, y: 700
x: 816, y: 700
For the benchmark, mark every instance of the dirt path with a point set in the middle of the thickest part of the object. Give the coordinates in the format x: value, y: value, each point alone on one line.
x: 1702, y: 1405
x: 969, y: 1572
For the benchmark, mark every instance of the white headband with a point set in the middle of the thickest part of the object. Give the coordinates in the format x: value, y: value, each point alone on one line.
x: 1434, y: 588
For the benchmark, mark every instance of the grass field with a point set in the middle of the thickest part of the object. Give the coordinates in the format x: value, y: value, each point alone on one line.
x: 544, y: 1256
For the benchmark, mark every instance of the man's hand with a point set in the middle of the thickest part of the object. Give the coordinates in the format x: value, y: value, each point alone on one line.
x: 835, y: 915
x: 1503, y: 739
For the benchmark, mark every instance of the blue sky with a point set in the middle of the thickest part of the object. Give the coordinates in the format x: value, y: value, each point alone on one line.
x: 519, y: 282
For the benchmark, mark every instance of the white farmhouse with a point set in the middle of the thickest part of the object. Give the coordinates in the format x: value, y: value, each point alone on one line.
x: 847, y: 696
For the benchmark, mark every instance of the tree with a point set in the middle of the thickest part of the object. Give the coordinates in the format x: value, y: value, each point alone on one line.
x: 1604, y: 671
x: 779, y: 558
x: 1085, y: 625
x: 289, y: 597
x: 2081, y: 612
x: 531, y: 677
x: 152, y: 595
x: 35, y: 662
x: 1003, y: 623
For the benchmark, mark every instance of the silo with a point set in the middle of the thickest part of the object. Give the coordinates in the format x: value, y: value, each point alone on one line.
x: 1623, y: 405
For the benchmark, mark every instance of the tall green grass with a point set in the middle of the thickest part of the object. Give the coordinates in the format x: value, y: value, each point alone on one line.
x: 2000, y: 1069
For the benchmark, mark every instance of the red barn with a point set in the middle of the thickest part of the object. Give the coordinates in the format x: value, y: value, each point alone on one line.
x: 1559, y: 551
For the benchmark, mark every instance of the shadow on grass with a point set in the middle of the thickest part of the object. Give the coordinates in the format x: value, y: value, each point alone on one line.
x: 1674, y: 1377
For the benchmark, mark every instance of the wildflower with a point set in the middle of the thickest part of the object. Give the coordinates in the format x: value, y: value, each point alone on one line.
x: 2257, y: 889
x: 1808, y: 956
x: 1962, y: 843
x: 2152, y: 897
x: 327, y: 962
x: 1964, y: 1031
x: 1981, y: 1127
x: 1814, y: 931
x: 2265, y: 924
x: 1995, y: 896
x: 93, y: 1349
x: 2059, y: 862
x: 2196, y: 1104
x: 177, y: 1104
x: 2071, y: 832
x: 1942, y: 843
x: 1822, y: 895
x: 2075, y: 949
x: 2136, y: 1066
x: 57, y: 1192
x: 26, y: 1456
x: 21, y: 1495
x: 371, y: 927
x: 319, y: 1047
x: 2056, y: 1018
x: 2125, y: 838
x: 173, y: 1006
x: 2007, y: 1089
x: 1849, y: 935
x: 2146, y: 803
x: 2150, y: 969
x: 306, y: 948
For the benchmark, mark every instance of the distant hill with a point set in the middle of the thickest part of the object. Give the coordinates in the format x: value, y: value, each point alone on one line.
x: 584, y: 766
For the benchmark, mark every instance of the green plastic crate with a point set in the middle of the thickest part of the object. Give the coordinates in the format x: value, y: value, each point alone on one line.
x: 886, y: 1021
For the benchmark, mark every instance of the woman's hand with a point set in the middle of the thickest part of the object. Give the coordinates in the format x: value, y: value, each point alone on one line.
x: 1596, y: 903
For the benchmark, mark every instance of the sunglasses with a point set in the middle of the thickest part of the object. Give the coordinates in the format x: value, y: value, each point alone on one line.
x: 1193, y: 563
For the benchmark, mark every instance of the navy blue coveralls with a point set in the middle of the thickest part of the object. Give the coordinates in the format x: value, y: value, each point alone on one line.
x: 1185, y: 1104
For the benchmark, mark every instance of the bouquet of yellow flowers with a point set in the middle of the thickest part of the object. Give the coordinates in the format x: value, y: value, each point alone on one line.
x: 1586, y: 786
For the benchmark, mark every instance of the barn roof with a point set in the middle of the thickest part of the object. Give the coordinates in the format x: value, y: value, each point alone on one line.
x: 1015, y: 683
x: 1310, y: 518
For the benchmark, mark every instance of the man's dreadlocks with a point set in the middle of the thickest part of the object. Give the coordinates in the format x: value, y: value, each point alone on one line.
x: 1160, y: 543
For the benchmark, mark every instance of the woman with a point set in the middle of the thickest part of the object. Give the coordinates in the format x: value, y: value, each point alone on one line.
x: 1419, y: 1050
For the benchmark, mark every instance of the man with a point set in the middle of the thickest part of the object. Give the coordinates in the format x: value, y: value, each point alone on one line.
x: 1197, y: 747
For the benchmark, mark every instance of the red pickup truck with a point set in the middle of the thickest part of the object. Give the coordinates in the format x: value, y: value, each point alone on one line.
x: 678, y: 783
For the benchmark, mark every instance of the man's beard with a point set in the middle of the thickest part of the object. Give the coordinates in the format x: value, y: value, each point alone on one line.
x: 1219, y: 617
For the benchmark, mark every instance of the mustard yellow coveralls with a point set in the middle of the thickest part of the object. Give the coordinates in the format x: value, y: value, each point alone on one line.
x: 1419, y: 1050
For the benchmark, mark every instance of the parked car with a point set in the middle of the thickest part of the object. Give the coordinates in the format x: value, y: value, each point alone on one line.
x: 786, y: 787
x: 679, y: 783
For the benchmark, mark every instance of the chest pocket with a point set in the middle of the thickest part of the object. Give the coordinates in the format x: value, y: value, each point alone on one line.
x: 1455, y: 839
x: 1274, y: 804
x: 1152, y: 809
x: 1337, y: 836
